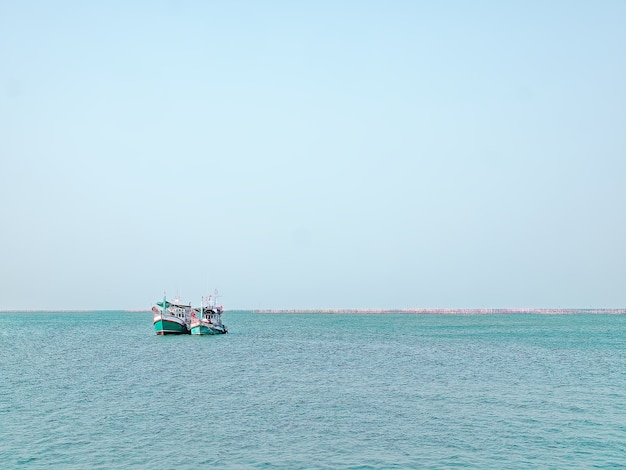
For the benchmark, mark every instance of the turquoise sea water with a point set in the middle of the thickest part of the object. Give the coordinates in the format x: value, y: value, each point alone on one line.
x: 101, y: 390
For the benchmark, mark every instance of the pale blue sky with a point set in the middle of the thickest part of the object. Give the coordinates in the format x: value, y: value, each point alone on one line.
x: 313, y: 154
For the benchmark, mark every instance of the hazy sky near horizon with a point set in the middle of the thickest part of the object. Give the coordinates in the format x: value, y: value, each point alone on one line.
x: 313, y: 154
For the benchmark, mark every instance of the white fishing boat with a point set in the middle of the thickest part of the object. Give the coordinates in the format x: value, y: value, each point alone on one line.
x: 207, y: 320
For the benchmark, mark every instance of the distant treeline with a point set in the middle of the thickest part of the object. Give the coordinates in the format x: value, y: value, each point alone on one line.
x: 456, y: 311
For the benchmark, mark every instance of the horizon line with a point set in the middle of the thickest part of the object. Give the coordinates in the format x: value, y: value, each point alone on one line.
x: 421, y: 310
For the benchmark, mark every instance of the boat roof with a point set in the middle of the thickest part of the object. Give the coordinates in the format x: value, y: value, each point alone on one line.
x: 170, y: 304
x: 197, y: 309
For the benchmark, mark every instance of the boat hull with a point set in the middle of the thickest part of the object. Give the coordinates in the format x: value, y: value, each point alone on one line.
x: 204, y: 329
x: 163, y: 326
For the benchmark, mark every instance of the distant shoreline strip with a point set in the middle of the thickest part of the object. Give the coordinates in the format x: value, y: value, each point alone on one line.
x: 408, y: 311
x: 456, y: 311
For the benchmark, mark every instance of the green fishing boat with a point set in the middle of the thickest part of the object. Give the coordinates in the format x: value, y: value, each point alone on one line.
x: 171, y: 318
